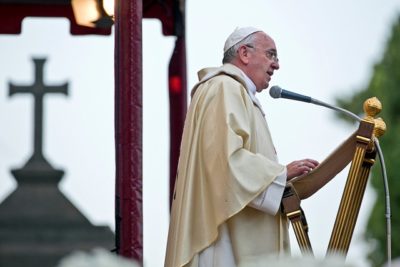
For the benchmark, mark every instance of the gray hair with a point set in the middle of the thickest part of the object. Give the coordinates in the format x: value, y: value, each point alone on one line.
x: 231, y: 53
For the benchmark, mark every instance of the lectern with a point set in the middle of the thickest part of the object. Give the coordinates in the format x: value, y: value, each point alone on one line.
x: 359, y: 150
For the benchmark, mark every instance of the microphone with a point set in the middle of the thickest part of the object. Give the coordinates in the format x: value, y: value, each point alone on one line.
x: 277, y: 92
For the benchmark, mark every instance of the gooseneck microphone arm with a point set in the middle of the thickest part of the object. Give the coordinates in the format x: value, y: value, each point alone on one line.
x: 320, y: 103
x: 277, y: 92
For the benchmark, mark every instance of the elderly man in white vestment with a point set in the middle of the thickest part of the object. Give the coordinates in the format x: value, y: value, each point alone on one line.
x: 229, y: 186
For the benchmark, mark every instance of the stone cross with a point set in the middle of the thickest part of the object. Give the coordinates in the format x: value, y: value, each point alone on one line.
x: 38, y: 223
x: 38, y: 89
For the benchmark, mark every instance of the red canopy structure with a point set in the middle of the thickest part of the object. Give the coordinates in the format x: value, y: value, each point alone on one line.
x: 12, y: 12
x: 128, y: 94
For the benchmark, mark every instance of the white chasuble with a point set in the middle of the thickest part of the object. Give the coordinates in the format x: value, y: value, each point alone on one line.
x: 227, y: 160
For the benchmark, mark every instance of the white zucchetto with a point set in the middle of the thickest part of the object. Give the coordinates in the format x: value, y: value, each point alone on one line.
x: 238, y: 35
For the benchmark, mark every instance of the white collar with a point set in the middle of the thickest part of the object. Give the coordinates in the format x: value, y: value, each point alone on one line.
x: 252, y: 90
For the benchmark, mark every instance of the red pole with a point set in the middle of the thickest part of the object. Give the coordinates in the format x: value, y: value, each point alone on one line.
x: 177, y: 105
x: 128, y: 128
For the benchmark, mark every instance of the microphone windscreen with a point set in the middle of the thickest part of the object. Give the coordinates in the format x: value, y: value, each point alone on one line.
x: 275, y: 91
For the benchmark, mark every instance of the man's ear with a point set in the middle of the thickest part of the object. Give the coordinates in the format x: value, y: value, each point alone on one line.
x: 243, y: 54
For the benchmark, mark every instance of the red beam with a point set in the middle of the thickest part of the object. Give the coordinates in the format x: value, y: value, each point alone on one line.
x: 162, y: 10
x: 12, y: 15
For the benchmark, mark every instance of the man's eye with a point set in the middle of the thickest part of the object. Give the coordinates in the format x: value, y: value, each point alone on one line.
x: 272, y: 55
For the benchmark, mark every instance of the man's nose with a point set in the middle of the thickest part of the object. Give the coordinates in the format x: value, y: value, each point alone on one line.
x: 275, y: 65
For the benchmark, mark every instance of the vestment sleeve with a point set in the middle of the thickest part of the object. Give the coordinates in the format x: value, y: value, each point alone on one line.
x: 270, y: 199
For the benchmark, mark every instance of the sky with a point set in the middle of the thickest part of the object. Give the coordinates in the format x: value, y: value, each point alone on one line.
x: 326, y: 49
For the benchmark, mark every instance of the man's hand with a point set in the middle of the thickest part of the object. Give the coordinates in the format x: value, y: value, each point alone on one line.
x: 300, y: 167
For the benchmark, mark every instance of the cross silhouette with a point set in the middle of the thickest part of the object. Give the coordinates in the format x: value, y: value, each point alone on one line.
x: 38, y: 89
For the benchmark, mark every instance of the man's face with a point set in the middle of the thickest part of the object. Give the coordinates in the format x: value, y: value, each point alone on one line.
x: 263, y: 61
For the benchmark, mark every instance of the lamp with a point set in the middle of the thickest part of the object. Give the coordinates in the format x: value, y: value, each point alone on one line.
x: 94, y: 13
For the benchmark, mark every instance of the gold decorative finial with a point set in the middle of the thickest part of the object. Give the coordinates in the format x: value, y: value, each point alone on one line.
x: 380, y: 127
x: 372, y: 106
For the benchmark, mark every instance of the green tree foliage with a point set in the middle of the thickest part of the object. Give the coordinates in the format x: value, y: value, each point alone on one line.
x: 385, y: 85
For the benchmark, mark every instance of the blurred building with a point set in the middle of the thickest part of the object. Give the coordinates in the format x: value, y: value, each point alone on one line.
x: 38, y: 224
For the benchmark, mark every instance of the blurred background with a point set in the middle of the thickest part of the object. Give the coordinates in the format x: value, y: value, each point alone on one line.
x: 339, y: 52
